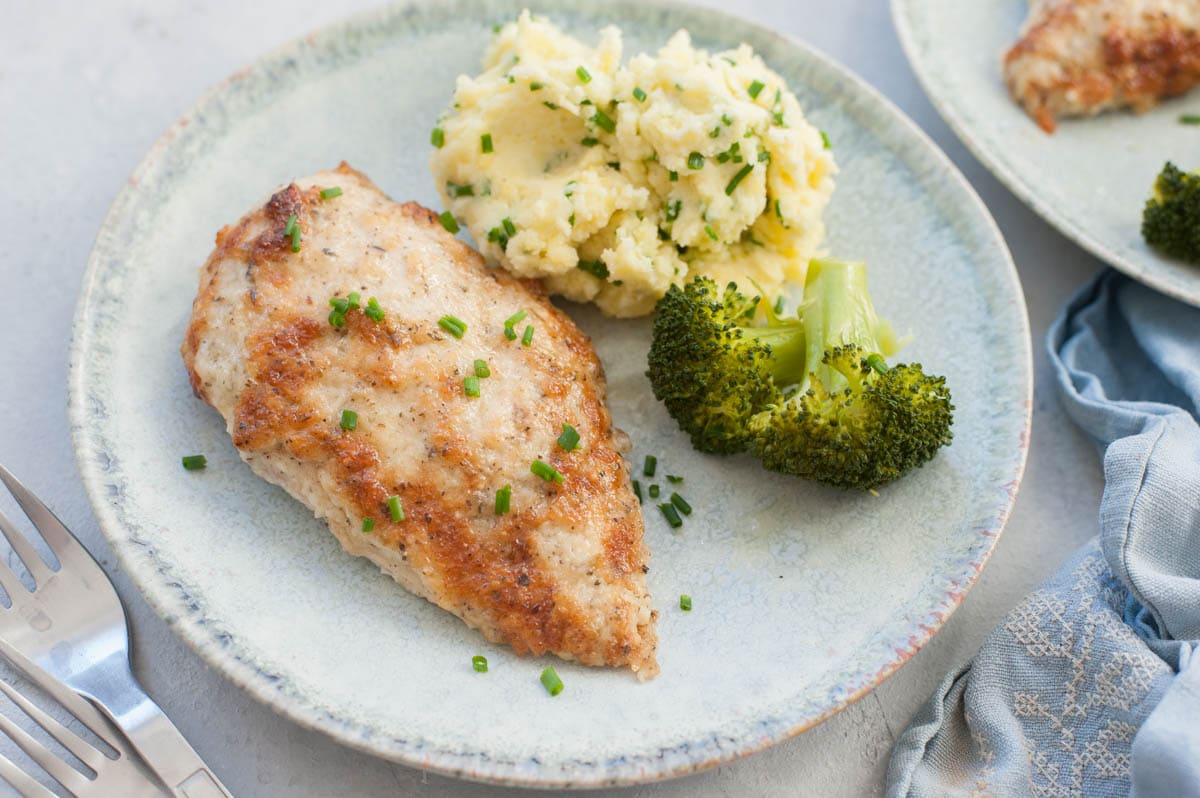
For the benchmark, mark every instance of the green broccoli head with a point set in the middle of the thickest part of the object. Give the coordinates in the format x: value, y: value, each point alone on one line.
x: 810, y: 396
x: 712, y: 368
x: 1171, y: 219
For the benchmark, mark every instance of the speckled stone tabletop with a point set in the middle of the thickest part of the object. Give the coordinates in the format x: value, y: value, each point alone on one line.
x: 86, y: 88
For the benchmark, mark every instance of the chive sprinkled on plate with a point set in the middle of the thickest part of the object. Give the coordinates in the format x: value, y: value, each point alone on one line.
x: 479, y: 663
x: 583, y: 75
x: 637, y: 491
x: 737, y: 178
x: 674, y: 480
x: 471, y: 386
x: 755, y: 88
x: 527, y: 336
x: 1189, y: 119
x: 395, y: 509
x: 604, y: 122
x: 550, y: 679
x: 368, y: 525
x: 671, y: 514
x: 481, y: 369
x: 195, y: 462
x: 331, y: 192
x: 546, y: 471
x: 452, y: 325
x: 373, y: 311
x: 568, y: 441
x: 685, y: 602
x: 349, y: 420
x: 695, y: 161
x: 448, y: 221
x: 649, y: 465
x: 638, y: 94
x: 654, y: 491
x: 437, y: 137
x: 503, y: 499
x: 681, y: 504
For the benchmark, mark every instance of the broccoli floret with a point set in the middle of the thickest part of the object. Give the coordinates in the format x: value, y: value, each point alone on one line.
x: 712, y: 368
x: 1171, y: 220
x: 811, y: 396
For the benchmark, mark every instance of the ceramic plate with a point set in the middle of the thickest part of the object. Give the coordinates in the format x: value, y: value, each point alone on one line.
x: 1091, y: 178
x: 805, y: 597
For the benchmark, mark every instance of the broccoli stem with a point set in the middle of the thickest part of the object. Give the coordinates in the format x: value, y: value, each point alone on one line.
x: 837, y: 311
x: 788, y: 349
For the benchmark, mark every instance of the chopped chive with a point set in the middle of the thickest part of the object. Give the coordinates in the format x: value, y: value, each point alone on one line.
x: 368, y: 525
x: 373, y: 311
x: 876, y: 362
x: 764, y: 156
x: 479, y: 663
x: 674, y: 480
x: 510, y: 333
x: 291, y: 225
x: 584, y: 75
x: 604, y: 121
x: 637, y: 491
x: 437, y: 137
x: 1190, y: 119
x: 340, y: 304
x: 680, y: 503
x: 715, y: 132
x: 471, y: 386
x: 195, y: 462
x: 509, y: 227
x: 514, y: 318
x: 449, y: 222
x: 778, y: 212
x: 456, y: 327
x: 649, y: 466
x: 589, y: 141
x: 503, y: 499
x: 673, y: 176
x: 672, y: 516
x: 638, y: 94
x: 395, y: 509
x: 825, y: 136
x: 337, y: 318
x: 685, y: 603
x: 549, y: 677
x: 353, y: 301
x: 546, y: 471
x: 673, y: 209
x: 481, y: 369
x: 535, y: 86
x: 778, y: 305
x: 654, y: 491
x: 550, y: 105
x: 593, y: 267
x: 711, y: 233
x: 571, y: 219
x: 455, y: 190
x: 754, y: 88
x: 739, y: 177
x: 485, y: 142
x: 726, y: 120
x: 296, y: 238
x: 330, y: 193
x: 695, y: 161
x: 569, y: 440
x: 527, y: 336
x: 349, y: 420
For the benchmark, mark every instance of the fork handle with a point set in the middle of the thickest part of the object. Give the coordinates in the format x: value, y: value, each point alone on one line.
x: 163, y: 748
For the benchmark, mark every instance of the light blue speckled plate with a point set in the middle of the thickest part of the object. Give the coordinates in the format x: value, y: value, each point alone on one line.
x: 1091, y: 178
x: 805, y: 598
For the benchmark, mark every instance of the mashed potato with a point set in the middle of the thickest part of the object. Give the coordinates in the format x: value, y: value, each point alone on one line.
x: 612, y: 182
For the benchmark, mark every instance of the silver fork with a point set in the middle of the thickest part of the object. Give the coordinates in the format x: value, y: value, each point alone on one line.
x: 110, y: 776
x: 73, y: 625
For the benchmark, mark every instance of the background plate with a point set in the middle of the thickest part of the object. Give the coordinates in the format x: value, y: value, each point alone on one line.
x: 1091, y: 178
x: 804, y: 597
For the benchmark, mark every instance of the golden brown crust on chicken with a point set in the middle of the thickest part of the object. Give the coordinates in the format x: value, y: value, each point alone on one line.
x: 563, y: 571
x: 1081, y: 57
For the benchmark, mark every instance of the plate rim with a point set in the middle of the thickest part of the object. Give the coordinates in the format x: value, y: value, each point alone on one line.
x: 1008, y: 175
x: 171, y: 605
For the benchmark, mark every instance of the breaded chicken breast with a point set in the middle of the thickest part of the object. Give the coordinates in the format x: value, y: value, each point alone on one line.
x: 1081, y: 57
x: 365, y: 412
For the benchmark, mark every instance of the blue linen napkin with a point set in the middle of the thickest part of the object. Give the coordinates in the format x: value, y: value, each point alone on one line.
x: 1091, y: 686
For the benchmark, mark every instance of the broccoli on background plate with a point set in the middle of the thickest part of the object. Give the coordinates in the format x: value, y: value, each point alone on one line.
x: 1171, y: 219
x: 810, y: 396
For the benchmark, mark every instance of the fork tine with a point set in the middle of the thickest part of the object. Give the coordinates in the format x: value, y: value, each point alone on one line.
x: 21, y: 781
x: 33, y: 561
x: 59, y: 770
x: 9, y: 580
x: 70, y: 741
x: 71, y: 701
x: 58, y: 537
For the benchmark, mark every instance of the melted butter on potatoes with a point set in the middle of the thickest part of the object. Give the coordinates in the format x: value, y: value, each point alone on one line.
x: 611, y: 182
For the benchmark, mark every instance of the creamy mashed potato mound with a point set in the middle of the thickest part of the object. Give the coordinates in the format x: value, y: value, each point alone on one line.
x: 614, y: 181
